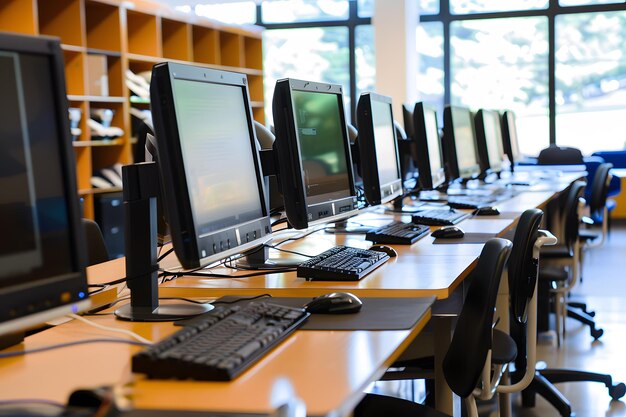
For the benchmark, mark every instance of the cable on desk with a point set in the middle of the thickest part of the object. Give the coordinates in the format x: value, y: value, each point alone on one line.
x: 111, y: 329
x: 243, y: 299
x: 161, y: 257
x: 4, y: 355
x: 292, y: 251
x: 210, y: 275
x: 279, y: 221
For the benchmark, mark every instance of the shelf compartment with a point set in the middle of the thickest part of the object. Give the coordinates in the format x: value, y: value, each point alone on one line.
x: 103, y: 26
x: 253, y: 53
x: 61, y: 18
x: 259, y: 114
x: 255, y: 85
x: 95, y: 143
x: 18, y: 16
x: 84, y: 114
x: 74, y: 72
x: 176, y: 40
x: 231, y: 49
x: 206, y: 45
x: 142, y: 33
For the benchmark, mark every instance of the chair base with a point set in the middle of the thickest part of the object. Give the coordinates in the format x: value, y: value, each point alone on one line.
x: 586, y: 319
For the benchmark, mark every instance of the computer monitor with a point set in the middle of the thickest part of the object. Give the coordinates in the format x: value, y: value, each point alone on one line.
x: 313, y: 152
x: 209, y: 163
x: 430, y: 162
x: 378, y: 149
x: 460, y: 143
x: 42, y: 250
x: 489, y: 140
x: 407, y: 118
x: 509, y: 137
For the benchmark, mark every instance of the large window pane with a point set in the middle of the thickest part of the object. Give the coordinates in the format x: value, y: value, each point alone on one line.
x: 287, y: 11
x: 481, y: 6
x: 429, y: 6
x: 430, y: 75
x: 585, y: 2
x: 239, y: 12
x: 503, y: 64
x: 366, y: 7
x: 591, y: 80
x: 314, y: 54
x: 365, y: 59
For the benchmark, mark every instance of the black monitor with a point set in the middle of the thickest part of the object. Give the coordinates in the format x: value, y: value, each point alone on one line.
x: 209, y: 163
x: 489, y: 140
x: 313, y: 152
x: 378, y: 149
x: 460, y: 143
x: 509, y: 137
x: 42, y: 252
x: 430, y: 161
x: 407, y: 118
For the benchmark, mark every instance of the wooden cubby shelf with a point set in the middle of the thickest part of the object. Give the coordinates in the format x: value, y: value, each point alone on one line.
x: 102, y: 39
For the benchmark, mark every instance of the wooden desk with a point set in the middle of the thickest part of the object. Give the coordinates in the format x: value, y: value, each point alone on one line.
x: 328, y: 369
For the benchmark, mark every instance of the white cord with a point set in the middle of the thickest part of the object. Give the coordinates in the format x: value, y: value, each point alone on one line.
x: 111, y: 329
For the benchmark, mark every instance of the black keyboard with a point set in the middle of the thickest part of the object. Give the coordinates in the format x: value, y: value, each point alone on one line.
x: 221, y: 347
x: 470, y: 203
x: 342, y: 263
x: 439, y: 217
x: 398, y: 233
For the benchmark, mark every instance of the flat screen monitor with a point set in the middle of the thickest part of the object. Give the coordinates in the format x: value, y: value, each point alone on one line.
x: 42, y: 255
x: 378, y: 149
x: 407, y: 118
x: 460, y: 143
x: 509, y: 137
x: 209, y: 163
x: 430, y: 162
x: 313, y: 152
x: 489, y: 140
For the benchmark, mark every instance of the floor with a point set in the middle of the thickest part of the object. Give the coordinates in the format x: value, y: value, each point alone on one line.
x: 604, y: 290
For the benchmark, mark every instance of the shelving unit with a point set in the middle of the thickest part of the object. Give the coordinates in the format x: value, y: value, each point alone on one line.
x: 101, y: 39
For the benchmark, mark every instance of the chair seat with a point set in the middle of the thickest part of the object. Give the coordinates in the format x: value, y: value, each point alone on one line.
x: 374, y: 405
x: 587, y: 236
x: 553, y: 273
x: 503, y: 348
x: 556, y: 252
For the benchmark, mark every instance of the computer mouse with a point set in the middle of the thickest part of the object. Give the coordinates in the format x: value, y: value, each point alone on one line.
x: 384, y: 249
x: 448, y: 232
x: 487, y: 211
x: 334, y: 303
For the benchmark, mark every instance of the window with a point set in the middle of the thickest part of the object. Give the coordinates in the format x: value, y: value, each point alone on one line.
x: 430, y: 75
x: 503, y: 64
x: 365, y: 59
x: 482, y: 6
x: 286, y: 11
x: 316, y: 54
x: 238, y: 12
x: 591, y: 80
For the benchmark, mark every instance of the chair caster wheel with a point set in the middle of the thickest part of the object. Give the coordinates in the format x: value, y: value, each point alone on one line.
x: 596, y: 333
x: 591, y: 313
x: 617, y: 391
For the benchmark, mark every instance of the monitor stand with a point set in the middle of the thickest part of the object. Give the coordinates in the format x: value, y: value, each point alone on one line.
x: 346, y: 227
x: 140, y: 234
x: 260, y: 259
x: 398, y: 206
x: 12, y: 339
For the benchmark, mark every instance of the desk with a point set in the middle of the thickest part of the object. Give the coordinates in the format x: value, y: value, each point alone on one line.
x: 339, y: 366
x: 333, y: 388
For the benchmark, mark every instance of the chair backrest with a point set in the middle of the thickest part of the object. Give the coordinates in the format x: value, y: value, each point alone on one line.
x: 522, y: 265
x: 96, y: 249
x: 465, y: 359
x: 558, y: 155
x: 600, y: 189
x: 570, y: 211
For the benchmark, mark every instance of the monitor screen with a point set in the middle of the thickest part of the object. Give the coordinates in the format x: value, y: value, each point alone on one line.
x: 313, y: 152
x: 490, y: 139
x: 380, y: 165
x: 41, y: 255
x: 209, y: 162
x: 430, y: 161
x: 509, y: 136
x: 460, y: 139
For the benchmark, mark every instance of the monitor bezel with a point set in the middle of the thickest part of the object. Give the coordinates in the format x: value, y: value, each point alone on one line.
x: 450, y: 145
x: 300, y: 213
x: 375, y: 192
x: 428, y: 179
x: 513, y: 153
x: 192, y: 250
x: 482, y: 143
x: 18, y: 299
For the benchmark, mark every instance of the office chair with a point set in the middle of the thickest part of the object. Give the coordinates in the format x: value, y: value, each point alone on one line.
x: 96, y: 249
x: 560, y: 155
x: 563, y: 273
x: 470, y: 361
x: 598, y: 210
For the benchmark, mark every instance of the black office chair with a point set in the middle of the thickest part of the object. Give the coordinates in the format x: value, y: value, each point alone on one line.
x: 598, y: 212
x: 96, y: 249
x: 560, y: 155
x: 470, y: 357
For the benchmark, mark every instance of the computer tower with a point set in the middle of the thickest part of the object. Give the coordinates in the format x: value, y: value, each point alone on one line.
x: 109, y: 212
